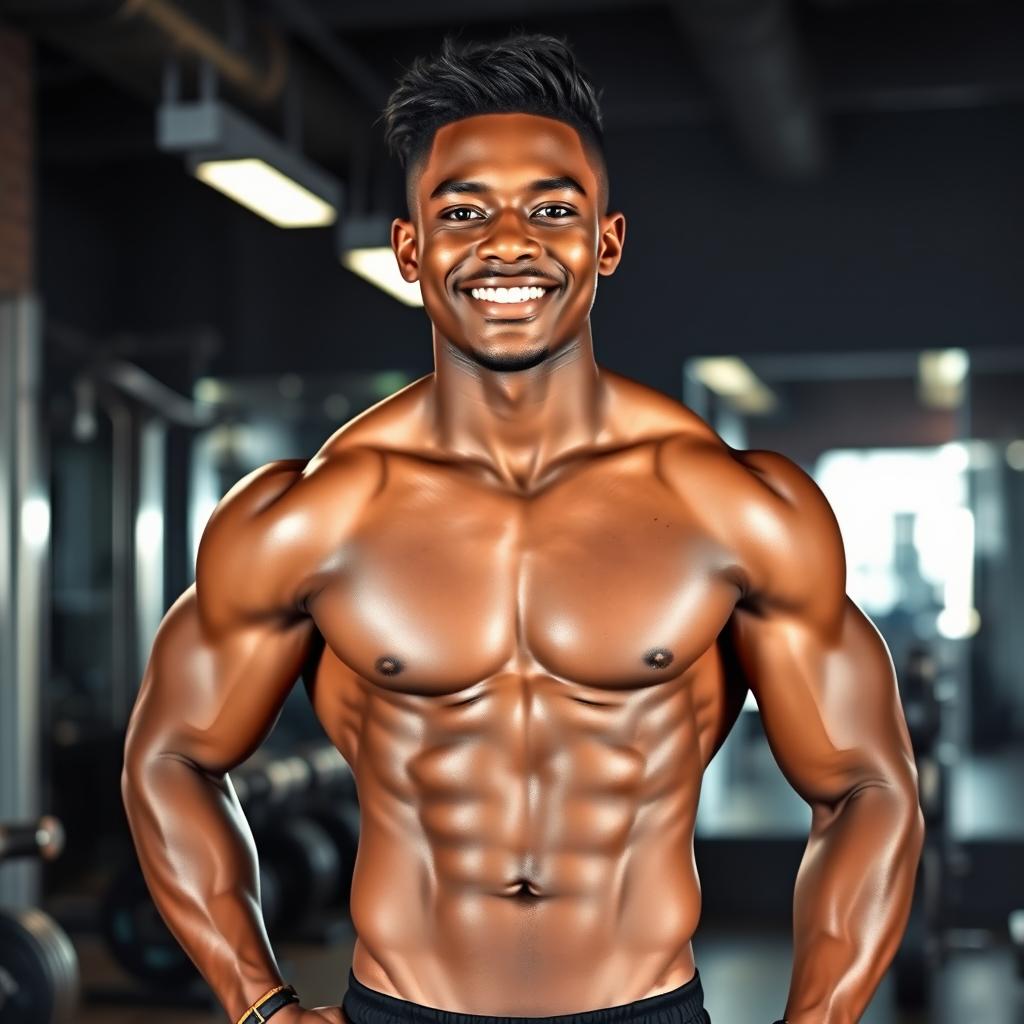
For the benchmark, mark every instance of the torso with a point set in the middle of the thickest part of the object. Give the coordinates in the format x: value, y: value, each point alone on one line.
x: 528, y: 689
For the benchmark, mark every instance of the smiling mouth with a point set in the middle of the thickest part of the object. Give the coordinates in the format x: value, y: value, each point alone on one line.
x: 525, y: 310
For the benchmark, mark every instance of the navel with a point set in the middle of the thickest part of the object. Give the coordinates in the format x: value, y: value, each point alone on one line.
x: 388, y: 665
x: 658, y: 657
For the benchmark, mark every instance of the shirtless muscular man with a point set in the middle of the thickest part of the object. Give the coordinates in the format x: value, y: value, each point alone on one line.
x: 542, y: 592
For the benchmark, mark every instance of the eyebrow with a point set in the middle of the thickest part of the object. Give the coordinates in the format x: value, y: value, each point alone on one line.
x: 452, y: 186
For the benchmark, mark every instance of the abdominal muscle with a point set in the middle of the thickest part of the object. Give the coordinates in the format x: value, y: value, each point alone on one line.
x: 527, y: 889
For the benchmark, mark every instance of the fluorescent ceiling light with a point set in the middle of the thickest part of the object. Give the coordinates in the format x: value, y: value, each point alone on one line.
x: 244, y: 161
x: 941, y: 377
x: 733, y: 379
x: 266, y: 191
x: 757, y: 400
x: 379, y: 267
x: 364, y: 244
x: 725, y: 374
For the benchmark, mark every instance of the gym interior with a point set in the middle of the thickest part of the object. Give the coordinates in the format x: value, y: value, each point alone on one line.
x: 829, y: 194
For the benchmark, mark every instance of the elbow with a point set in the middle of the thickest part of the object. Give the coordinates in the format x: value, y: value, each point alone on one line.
x: 132, y: 760
x: 145, y: 768
x: 908, y: 816
x: 909, y: 788
x: 140, y: 755
x: 912, y: 835
x: 133, y: 773
x: 897, y: 800
x: 916, y: 828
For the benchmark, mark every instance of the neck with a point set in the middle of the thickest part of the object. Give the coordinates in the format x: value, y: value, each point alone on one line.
x: 518, y: 422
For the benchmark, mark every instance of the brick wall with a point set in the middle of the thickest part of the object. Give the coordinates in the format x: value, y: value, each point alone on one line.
x: 16, y: 179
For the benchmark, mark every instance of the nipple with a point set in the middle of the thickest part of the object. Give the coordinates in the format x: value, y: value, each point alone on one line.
x: 388, y: 666
x: 659, y: 657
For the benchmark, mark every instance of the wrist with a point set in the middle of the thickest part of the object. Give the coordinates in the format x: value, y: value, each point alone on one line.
x: 250, y: 984
x: 290, y: 1014
x: 272, y: 1002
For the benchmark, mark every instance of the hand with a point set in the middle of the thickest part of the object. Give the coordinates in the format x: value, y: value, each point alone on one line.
x: 318, y: 1014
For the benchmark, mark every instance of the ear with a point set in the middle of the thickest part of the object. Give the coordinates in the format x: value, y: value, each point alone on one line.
x: 613, y: 236
x: 403, y: 242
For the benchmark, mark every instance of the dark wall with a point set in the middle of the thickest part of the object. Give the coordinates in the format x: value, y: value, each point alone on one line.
x: 912, y: 239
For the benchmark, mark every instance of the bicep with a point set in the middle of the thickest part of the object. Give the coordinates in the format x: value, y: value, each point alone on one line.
x: 212, y: 697
x: 818, y: 668
x: 828, y: 701
x: 230, y: 649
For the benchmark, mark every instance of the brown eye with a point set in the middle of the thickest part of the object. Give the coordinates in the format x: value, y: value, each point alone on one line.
x: 563, y: 209
x: 458, y: 209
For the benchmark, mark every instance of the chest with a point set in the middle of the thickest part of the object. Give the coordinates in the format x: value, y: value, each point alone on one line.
x: 604, y: 579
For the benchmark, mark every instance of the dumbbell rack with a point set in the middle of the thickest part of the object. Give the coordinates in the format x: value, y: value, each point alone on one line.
x: 39, y: 981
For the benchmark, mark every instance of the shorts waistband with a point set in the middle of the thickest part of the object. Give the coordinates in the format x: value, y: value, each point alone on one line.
x: 683, y: 1005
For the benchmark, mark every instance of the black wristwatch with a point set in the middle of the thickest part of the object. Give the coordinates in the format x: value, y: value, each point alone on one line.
x: 269, y: 1005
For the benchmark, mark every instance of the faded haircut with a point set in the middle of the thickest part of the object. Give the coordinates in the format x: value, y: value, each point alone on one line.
x: 524, y: 73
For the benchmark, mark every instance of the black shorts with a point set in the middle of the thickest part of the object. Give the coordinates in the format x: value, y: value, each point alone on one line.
x: 683, y: 1005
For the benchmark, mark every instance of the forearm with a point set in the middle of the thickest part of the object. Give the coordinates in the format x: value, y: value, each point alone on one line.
x: 198, y: 856
x: 851, y: 903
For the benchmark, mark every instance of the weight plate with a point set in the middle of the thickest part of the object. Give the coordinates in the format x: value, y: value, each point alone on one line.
x: 38, y: 970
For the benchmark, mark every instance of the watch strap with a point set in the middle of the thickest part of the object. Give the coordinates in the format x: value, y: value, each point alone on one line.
x: 269, y: 1005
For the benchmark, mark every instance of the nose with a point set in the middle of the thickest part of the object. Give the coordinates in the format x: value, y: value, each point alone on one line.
x: 508, y: 240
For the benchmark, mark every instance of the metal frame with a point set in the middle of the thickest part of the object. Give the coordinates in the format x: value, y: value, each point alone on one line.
x: 24, y: 579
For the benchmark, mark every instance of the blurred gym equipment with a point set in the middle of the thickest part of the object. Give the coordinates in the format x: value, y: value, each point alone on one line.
x: 922, y: 950
x: 24, y: 565
x: 305, y: 821
x: 38, y: 965
x: 299, y: 856
x: 1016, y: 927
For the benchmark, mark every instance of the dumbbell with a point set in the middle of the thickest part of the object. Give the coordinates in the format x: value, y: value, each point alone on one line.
x: 331, y: 774
x: 265, y: 781
x: 43, y: 838
x: 39, y: 980
x: 315, y: 770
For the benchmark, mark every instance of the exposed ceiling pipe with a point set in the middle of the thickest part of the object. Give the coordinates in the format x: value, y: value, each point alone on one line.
x: 260, y: 85
x: 298, y: 16
x: 125, y: 44
x: 750, y: 52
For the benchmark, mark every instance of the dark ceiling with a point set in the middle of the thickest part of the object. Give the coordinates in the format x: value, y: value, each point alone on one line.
x: 797, y: 176
x: 773, y: 72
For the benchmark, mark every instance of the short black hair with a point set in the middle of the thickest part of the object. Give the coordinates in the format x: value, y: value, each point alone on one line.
x: 528, y: 73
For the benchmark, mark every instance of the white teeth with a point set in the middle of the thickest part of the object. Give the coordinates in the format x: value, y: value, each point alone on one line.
x: 507, y: 294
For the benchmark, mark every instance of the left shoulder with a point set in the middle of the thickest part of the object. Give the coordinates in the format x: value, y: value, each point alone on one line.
x: 791, y: 485
x: 770, y: 512
x: 791, y: 539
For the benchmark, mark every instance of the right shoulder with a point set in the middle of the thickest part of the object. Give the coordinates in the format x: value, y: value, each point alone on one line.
x: 274, y: 529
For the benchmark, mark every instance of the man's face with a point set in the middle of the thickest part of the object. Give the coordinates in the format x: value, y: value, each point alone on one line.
x: 506, y: 200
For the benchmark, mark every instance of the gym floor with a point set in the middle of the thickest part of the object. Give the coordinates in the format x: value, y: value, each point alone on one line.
x: 745, y: 974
